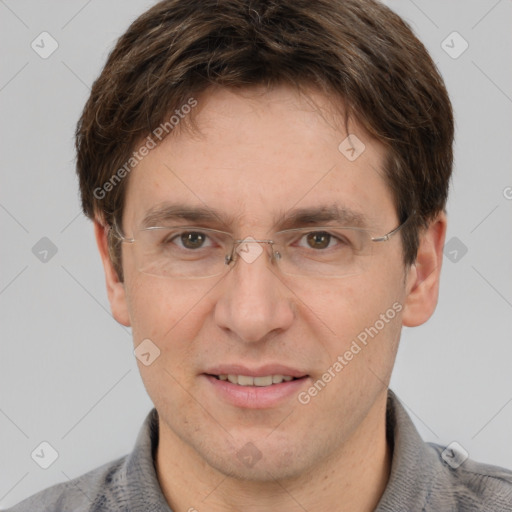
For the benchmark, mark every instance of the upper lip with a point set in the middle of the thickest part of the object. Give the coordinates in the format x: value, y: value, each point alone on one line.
x: 262, y: 371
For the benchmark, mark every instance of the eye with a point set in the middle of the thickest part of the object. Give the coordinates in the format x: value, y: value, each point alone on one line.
x: 188, y: 240
x: 319, y: 240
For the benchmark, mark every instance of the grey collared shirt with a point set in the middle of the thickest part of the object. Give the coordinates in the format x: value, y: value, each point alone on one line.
x: 422, y: 479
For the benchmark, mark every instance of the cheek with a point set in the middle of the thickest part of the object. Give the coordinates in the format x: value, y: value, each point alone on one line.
x: 345, y: 304
x: 168, y: 312
x: 368, y: 305
x: 170, y: 316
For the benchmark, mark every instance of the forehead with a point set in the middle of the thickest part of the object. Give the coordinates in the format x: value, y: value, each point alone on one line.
x: 255, y: 154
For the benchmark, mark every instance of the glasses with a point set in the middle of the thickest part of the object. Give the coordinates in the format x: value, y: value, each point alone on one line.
x: 192, y: 252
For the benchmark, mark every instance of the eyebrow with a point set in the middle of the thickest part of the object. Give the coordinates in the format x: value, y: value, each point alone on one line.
x: 167, y: 212
x: 287, y: 219
x: 318, y: 215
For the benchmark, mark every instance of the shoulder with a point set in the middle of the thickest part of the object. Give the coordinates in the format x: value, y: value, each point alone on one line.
x: 465, y: 484
x: 87, y: 493
x: 433, y: 478
x: 128, y: 484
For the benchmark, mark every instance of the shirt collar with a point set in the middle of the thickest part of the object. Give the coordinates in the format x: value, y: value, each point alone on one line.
x: 141, y: 477
x: 413, y: 465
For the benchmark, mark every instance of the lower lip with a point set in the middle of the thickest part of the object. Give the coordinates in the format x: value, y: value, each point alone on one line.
x: 256, y: 397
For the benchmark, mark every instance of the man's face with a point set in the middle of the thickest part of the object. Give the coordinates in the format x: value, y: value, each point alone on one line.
x: 260, y: 156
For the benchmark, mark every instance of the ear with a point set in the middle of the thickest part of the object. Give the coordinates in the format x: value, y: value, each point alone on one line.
x: 115, y: 288
x: 423, y: 276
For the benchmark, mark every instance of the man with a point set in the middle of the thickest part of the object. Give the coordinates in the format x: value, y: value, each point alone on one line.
x: 267, y: 182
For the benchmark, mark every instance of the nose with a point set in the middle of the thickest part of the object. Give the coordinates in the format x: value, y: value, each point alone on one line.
x: 254, y: 304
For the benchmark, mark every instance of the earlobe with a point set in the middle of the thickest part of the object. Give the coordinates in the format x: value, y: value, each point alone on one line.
x: 422, y: 286
x: 115, y: 288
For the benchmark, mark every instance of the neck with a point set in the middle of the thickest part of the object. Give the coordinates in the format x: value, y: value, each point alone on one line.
x: 353, y: 478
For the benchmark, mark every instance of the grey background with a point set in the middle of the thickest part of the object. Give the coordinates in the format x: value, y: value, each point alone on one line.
x: 67, y: 371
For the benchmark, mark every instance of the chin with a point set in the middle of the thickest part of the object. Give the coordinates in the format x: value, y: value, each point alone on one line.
x: 259, y: 461
x: 263, y: 471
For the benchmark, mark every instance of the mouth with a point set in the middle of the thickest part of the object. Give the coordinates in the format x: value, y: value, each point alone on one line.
x: 268, y: 386
x: 262, y: 381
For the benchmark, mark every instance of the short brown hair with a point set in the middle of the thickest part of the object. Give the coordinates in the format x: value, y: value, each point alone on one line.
x: 358, y: 51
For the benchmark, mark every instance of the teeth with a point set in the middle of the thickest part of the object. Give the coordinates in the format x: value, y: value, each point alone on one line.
x: 245, y: 380
x: 262, y: 381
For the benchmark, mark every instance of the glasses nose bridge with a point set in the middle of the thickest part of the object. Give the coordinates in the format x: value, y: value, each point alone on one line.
x: 248, y: 254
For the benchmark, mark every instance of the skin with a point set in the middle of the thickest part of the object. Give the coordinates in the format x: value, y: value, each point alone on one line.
x: 259, y: 153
